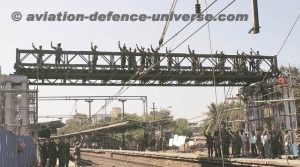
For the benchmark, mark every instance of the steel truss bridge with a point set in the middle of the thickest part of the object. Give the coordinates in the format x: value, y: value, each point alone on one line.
x: 79, y: 68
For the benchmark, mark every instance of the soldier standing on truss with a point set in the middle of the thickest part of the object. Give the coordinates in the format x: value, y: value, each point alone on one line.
x: 130, y: 59
x: 251, y: 63
x: 134, y: 59
x: 143, y: 56
x: 243, y: 62
x: 58, y: 51
x: 156, y: 58
x: 123, y: 54
x: 40, y: 54
x: 149, y: 58
x: 169, y: 59
x: 95, y: 56
x: 222, y: 62
x: 194, y: 59
x: 257, y: 63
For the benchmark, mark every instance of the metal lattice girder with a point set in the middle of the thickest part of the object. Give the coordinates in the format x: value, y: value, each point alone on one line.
x: 79, y: 68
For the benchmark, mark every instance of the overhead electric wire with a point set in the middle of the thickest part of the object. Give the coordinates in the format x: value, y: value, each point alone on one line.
x: 187, y: 24
x: 283, y: 44
x: 129, y: 83
x: 167, y: 22
x: 288, y: 35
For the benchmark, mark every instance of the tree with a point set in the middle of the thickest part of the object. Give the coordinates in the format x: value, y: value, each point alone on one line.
x: 230, y: 115
x: 182, y: 127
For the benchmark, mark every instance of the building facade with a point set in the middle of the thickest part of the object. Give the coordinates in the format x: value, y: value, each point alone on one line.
x: 19, y: 104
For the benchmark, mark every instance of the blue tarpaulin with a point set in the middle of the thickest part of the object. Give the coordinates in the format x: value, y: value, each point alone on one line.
x: 9, y: 156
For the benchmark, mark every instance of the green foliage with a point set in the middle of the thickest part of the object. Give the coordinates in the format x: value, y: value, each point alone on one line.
x: 229, y: 115
x: 181, y: 127
x: 163, y: 114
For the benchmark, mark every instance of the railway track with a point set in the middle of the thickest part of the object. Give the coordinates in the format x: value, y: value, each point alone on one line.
x: 94, y: 160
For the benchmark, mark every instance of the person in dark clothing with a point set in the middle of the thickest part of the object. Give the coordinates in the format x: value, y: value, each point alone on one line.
x: 67, y: 143
x: 61, y: 153
x: 123, y: 54
x: 274, y: 145
x: 194, y: 59
x: 52, y: 152
x: 43, y: 153
x: 209, y: 143
x: 58, y: 51
x: 156, y: 58
x: 169, y: 59
x: 95, y: 56
x: 233, y: 143
x: 217, y: 144
x: 259, y: 145
x: 225, y: 135
x: 239, y: 143
x: 40, y: 54
x: 143, y: 56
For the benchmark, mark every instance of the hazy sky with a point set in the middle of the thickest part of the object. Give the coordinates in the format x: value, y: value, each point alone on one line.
x: 276, y: 18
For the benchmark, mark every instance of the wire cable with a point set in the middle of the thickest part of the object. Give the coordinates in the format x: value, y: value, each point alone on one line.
x: 129, y: 83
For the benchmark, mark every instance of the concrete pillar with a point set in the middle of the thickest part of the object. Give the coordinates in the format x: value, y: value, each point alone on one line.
x: 23, y: 111
x: 10, y: 109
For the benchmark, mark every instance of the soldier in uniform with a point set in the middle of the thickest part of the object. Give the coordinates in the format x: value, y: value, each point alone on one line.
x: 67, y: 143
x: 194, y: 59
x: 156, y: 58
x: 43, y: 153
x: 209, y: 143
x: 95, y: 56
x: 61, y: 153
x: 123, y: 54
x: 40, y: 54
x: 169, y: 59
x: 225, y: 135
x: 58, y: 51
x: 52, y: 153
x: 143, y: 56
x: 149, y: 58
x: 130, y: 59
x: 274, y: 144
x: 217, y: 144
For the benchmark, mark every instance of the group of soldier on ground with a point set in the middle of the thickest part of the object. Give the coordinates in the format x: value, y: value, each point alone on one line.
x: 152, y: 59
x: 256, y: 144
x: 51, y: 151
